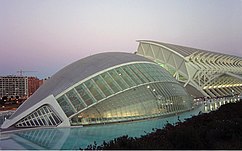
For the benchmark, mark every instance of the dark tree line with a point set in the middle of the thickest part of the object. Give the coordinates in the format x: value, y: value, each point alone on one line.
x: 221, y: 129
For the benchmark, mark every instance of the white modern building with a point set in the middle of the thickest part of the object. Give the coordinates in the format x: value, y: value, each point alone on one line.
x: 103, y: 88
x: 203, y: 73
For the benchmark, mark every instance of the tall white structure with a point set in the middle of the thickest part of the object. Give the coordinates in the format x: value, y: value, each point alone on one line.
x: 203, y: 73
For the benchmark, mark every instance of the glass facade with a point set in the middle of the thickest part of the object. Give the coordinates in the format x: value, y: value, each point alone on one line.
x: 44, y: 116
x: 131, y: 91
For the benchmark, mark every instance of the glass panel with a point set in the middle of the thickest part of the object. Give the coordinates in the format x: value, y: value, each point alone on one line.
x: 56, y: 118
x: 35, y: 121
x: 32, y: 123
x: 93, y: 89
x: 38, y: 112
x: 145, y: 71
x: 152, y: 70
x: 84, y: 94
x: 110, y: 82
x: 32, y: 116
x: 47, y: 120
x: 118, y: 79
x: 125, y: 76
x: 132, y: 75
x: 52, y: 120
x: 75, y: 100
x: 138, y: 74
x: 44, y: 108
x: 35, y: 114
x: 24, y: 125
x: 28, y: 123
x: 40, y: 121
x: 66, y: 107
x: 102, y: 85
x: 43, y: 120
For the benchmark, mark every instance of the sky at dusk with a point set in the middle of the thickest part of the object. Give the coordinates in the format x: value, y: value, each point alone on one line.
x: 46, y: 35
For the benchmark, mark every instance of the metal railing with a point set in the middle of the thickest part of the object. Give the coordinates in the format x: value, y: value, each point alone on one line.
x: 212, y: 104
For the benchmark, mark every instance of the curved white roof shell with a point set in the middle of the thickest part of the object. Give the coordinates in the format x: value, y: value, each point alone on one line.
x: 212, y: 74
x: 85, y: 67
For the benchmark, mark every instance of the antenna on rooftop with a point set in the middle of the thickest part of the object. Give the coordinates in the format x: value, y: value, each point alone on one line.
x: 21, y: 72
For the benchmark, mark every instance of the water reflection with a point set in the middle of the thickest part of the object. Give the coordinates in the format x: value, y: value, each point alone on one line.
x: 80, y: 137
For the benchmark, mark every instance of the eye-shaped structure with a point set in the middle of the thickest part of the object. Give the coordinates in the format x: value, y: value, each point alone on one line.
x: 103, y: 88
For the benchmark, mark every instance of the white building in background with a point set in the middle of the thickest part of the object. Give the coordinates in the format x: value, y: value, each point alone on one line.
x: 202, y: 73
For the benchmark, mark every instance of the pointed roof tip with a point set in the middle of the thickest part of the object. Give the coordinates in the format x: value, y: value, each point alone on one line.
x: 185, y: 50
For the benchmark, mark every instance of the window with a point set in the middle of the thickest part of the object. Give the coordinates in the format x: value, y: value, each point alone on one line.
x: 94, y: 90
x: 38, y: 118
x: 126, y: 77
x: 118, y: 79
x: 109, y: 80
x: 84, y: 94
x: 75, y: 100
x: 65, y: 105
x: 103, y: 85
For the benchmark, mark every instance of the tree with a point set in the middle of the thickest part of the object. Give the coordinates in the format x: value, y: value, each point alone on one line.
x: 3, y: 100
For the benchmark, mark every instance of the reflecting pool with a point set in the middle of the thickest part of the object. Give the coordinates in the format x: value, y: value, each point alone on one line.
x: 80, y: 137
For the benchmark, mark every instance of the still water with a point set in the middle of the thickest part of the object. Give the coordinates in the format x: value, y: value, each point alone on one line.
x: 80, y: 137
